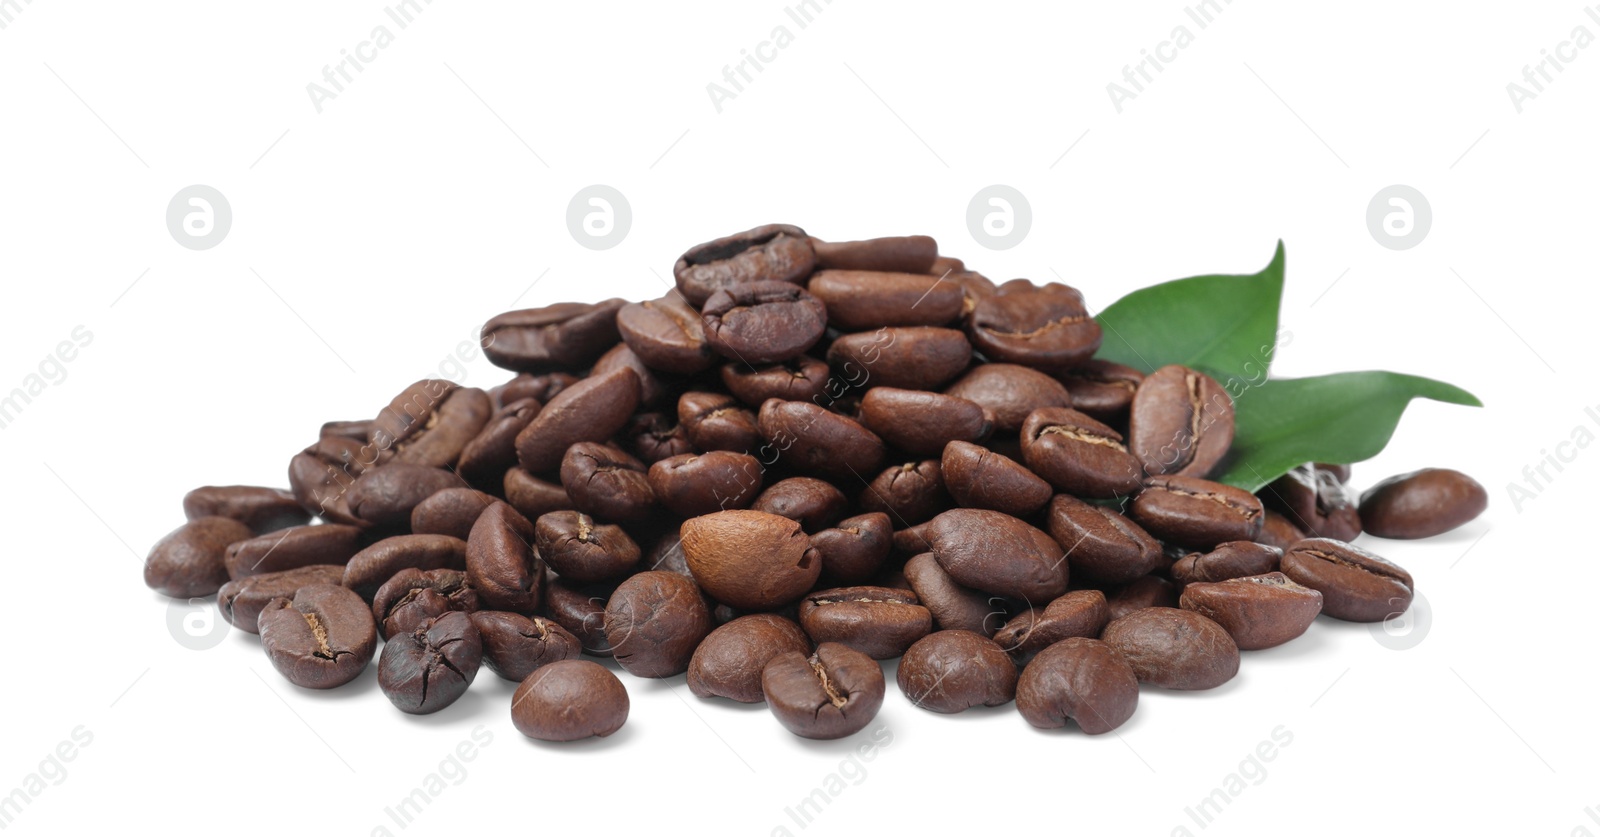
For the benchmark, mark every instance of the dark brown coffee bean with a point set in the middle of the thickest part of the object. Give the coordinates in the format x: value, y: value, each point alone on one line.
x: 322, y: 638
x: 414, y: 596
x: 515, y: 646
x: 980, y: 478
x: 486, y: 458
x: 1077, y: 454
x: 908, y: 357
x: 287, y: 549
x: 408, y: 413
x: 1279, y: 531
x: 952, y: 671
x: 583, y: 551
x: 1422, y: 504
x: 591, y: 410
x: 1150, y: 591
x: 696, y: 484
x: 501, y: 562
x: 855, y: 550
x: 729, y: 662
x: 763, y: 322
x: 1010, y: 392
x: 606, y: 482
x: 910, y: 493
x: 1101, y: 544
x: 429, y: 668
x: 1046, y: 327
x: 953, y: 606
x: 798, y: 379
x: 568, y: 335
x: 998, y: 553
x: 534, y: 497
x: 655, y: 389
x: 321, y: 475
x: 540, y: 388
x: 655, y: 620
x: 242, y: 601
x: 371, y: 567
x: 877, y: 621
x: 1080, y: 680
x: 1174, y: 649
x: 1082, y: 613
x: 191, y: 560
x: 749, y: 559
x: 1181, y: 422
x: 834, y: 692
x: 1101, y: 389
x: 714, y: 421
x: 816, y: 504
x: 262, y: 509
x: 569, y: 700
x: 1356, y: 585
x: 906, y: 253
x: 386, y: 496
x: 808, y: 438
x: 922, y: 423
x: 1316, y: 502
x: 449, y: 512
x: 358, y: 429
x: 1196, y: 513
x: 440, y: 439
x: 858, y: 300
x: 580, y: 612
x: 769, y: 253
x: 666, y: 554
x: 655, y: 436
x: 1235, y: 559
x: 666, y: 334
x: 1258, y: 611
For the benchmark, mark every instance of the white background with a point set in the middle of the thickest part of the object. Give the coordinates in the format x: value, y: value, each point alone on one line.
x: 372, y: 237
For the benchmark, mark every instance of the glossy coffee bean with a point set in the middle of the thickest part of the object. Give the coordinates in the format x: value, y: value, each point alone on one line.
x: 749, y: 559
x: 655, y: 620
x: 386, y: 496
x: 583, y: 551
x: 855, y: 550
x: 952, y: 606
x: 515, y: 646
x: 907, y: 357
x: 1081, y: 680
x: 952, y: 671
x: 1009, y: 392
x: 666, y: 334
x: 582, y: 612
x: 1278, y: 531
x: 371, y: 567
x: 320, y: 476
x: 486, y: 458
x: 859, y: 300
x: 297, y: 546
x: 906, y: 253
x: 191, y: 560
x: 715, y: 421
x: 803, y: 378
x: 534, y: 497
x: 439, y: 440
x: 1101, y: 389
x: 815, y: 504
x: 694, y: 484
x: 414, y: 596
x: 540, y: 388
x: 1181, y: 422
x: 910, y: 493
x: 1316, y: 502
x: 449, y: 512
x: 1044, y: 327
x: 568, y: 335
x: 1174, y: 649
x: 569, y: 700
x: 922, y: 423
x: 1196, y: 513
x: 980, y: 478
x: 763, y: 322
x: 1077, y: 454
x: 606, y: 482
x: 998, y: 553
x: 655, y: 436
x: 429, y: 668
x: 810, y: 439
x: 1234, y: 559
x: 834, y: 692
x: 1356, y: 585
x: 408, y: 414
x: 1081, y: 613
x: 242, y: 601
x: 501, y: 562
x: 1150, y: 591
x: 322, y: 638
x: 769, y: 253
x: 262, y: 509
x: 877, y: 621
x: 1258, y: 611
x: 729, y: 662
x: 1101, y: 544
x: 591, y: 410
x: 1422, y: 504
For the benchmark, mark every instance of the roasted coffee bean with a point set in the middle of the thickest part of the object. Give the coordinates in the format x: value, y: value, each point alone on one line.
x: 606, y: 482
x: 808, y: 438
x: 567, y: 335
x: 540, y: 388
x: 858, y: 300
x: 287, y: 549
x: 449, y: 512
x: 262, y: 509
x: 816, y: 504
x: 430, y: 667
x: 655, y: 436
x: 1077, y: 454
x: 408, y: 413
x: 1174, y: 649
x: 666, y: 334
x: 953, y: 606
x: 770, y: 253
x: 907, y: 253
x: 534, y: 497
x: 655, y: 389
x: 980, y: 478
x: 591, y: 410
x: 1279, y: 531
x: 582, y: 613
x: 357, y: 429
x: 501, y: 562
x: 1101, y: 389
x: 1150, y: 591
x: 729, y: 662
x: 485, y: 459
x: 1081, y: 680
x: 322, y: 638
x: 763, y: 322
x: 910, y: 493
x: 242, y: 601
x: 802, y: 378
x: 946, y: 264
x: 952, y: 671
x: 1258, y: 611
x: 908, y: 357
x: 413, y: 596
x: 320, y: 476
x: 1046, y: 327
x: 877, y: 621
x: 1196, y: 513
x: 1316, y: 502
x: 912, y: 540
x: 371, y: 567
x: 1356, y: 585
x: 569, y: 700
x: 387, y: 495
x: 855, y: 550
x: 749, y: 559
x: 834, y: 692
x: 514, y: 646
x: 1082, y: 613
x: 583, y: 551
x: 998, y: 553
x: 696, y: 484
x: 1181, y: 422
x: 1422, y: 504
x: 922, y: 423
x: 714, y: 421
x: 1234, y: 559
x: 1009, y: 392
x: 191, y: 560
x: 1101, y: 544
x: 655, y: 620
x: 439, y: 439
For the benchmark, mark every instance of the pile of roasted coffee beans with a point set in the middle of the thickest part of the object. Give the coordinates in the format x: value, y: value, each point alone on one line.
x: 805, y: 458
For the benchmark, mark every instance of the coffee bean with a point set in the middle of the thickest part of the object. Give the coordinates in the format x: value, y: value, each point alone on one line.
x: 666, y: 554
x: 584, y: 551
x: 953, y: 606
x: 191, y: 560
x: 908, y: 253
x: 1101, y: 389
x: 501, y: 563
x: 569, y: 700
x: 429, y: 668
x: 407, y: 414
x: 1234, y: 559
x: 534, y: 497
x: 1181, y: 422
x: 287, y: 549
x: 1356, y: 585
x: 910, y: 493
x: 980, y: 478
x: 922, y: 423
x: 816, y: 504
x: 858, y: 300
x: 262, y: 509
x: 1103, y: 545
x: 749, y: 559
x: 515, y: 646
x: 714, y: 421
x: 357, y: 429
x: 654, y: 621
x: 907, y: 357
x: 540, y: 388
x: 729, y: 661
x: 413, y: 596
x: 322, y: 638
x: 485, y: 459
x: 591, y: 410
x: 606, y: 482
x: 1045, y: 327
x: 952, y: 671
x: 1278, y: 531
x: 1009, y: 392
x: 1080, y: 613
x: 566, y: 335
x: 438, y: 440
x: 666, y: 334
x: 855, y: 550
x: 1196, y: 513
x: 1422, y: 504
x: 696, y: 484
x: 371, y: 567
x: 449, y: 512
x: 655, y: 436
x: 770, y: 253
x: 811, y: 439
x: 802, y: 378
x: 877, y: 621
x: 242, y: 601
x: 1316, y: 502
x: 1258, y: 611
x: 1147, y: 592
x: 834, y: 692
x: 582, y: 612
x: 998, y: 553
x: 1174, y: 649
x: 655, y: 389
x: 1077, y: 454
x: 763, y: 322
x: 1081, y: 680
x: 387, y: 495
